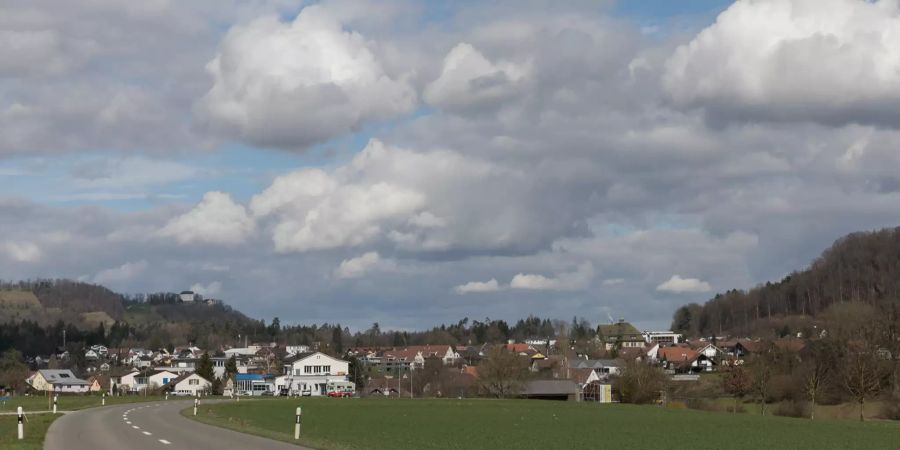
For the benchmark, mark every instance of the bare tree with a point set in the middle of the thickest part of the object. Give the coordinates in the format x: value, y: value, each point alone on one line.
x: 862, y: 374
x: 736, y: 381
x: 502, y: 373
x: 817, y: 371
x: 641, y: 383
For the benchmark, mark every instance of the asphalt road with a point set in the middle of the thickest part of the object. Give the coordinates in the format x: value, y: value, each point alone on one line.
x: 146, y: 426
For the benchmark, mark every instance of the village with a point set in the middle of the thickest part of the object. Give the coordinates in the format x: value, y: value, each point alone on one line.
x: 271, y: 369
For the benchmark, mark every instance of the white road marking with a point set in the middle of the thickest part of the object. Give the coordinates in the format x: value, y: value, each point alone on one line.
x: 147, y: 433
x: 136, y: 427
x: 165, y: 442
x: 129, y: 423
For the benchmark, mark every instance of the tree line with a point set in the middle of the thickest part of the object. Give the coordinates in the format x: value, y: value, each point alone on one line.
x: 859, y: 268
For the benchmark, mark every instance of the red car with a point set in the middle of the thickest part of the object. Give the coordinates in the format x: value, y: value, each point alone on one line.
x: 340, y: 394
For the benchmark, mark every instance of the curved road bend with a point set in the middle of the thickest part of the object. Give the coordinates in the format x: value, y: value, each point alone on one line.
x: 146, y: 426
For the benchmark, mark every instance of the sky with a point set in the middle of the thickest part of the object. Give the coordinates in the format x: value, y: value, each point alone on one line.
x: 413, y: 163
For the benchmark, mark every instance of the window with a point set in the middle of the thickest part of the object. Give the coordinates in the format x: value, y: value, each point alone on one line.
x: 307, y: 369
x: 327, y: 369
x: 194, y: 382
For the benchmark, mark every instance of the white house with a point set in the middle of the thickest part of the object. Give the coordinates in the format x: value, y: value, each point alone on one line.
x: 161, y: 378
x: 190, y: 384
x: 187, y: 296
x: 664, y: 338
x: 126, y: 382
x: 315, y: 374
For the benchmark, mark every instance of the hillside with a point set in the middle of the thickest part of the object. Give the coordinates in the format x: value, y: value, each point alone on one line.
x: 861, y: 267
x: 88, y: 305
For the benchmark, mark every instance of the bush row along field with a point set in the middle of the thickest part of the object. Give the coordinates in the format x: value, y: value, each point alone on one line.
x: 37, y: 424
x: 500, y: 424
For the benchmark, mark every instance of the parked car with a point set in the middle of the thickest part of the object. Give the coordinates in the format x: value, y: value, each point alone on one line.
x: 341, y: 394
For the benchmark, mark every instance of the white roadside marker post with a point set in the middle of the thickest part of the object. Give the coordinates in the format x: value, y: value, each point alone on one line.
x: 167, y: 396
x: 196, y: 403
x: 103, y: 400
x: 297, y: 424
x: 21, y: 416
x: 55, y: 401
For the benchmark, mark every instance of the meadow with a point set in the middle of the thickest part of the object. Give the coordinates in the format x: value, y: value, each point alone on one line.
x: 37, y: 424
x: 500, y: 424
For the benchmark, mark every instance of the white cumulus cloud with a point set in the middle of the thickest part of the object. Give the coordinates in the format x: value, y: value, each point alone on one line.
x: 478, y: 286
x: 679, y: 285
x: 217, y: 219
x: 294, y: 84
x: 567, y: 281
x: 360, y: 265
x: 830, y: 61
x: 468, y: 79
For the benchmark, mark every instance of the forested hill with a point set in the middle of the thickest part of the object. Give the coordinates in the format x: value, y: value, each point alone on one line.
x: 862, y: 267
x: 87, y: 305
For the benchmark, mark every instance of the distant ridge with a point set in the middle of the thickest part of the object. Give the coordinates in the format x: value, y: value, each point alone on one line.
x: 860, y: 267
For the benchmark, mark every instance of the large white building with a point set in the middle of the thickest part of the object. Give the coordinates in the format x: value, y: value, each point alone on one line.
x: 314, y: 374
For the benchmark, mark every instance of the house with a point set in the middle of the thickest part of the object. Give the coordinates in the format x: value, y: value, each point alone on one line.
x: 315, y: 374
x: 620, y: 335
x: 160, y: 378
x: 711, y: 351
x: 384, y: 386
x: 95, y: 384
x: 58, y: 381
x: 552, y: 390
x: 683, y: 359
x: 187, y: 296
x: 125, y: 382
x: 91, y: 355
x: 584, y: 376
x: 664, y: 338
x: 100, y: 350
x: 189, y: 384
x: 603, y: 367
x: 647, y: 353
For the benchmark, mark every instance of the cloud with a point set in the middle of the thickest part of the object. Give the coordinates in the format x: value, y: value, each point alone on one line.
x: 828, y: 61
x: 360, y: 265
x: 613, y: 281
x: 292, y: 85
x: 121, y: 274
x: 478, y: 287
x: 217, y: 219
x: 568, y: 281
x: 209, y: 290
x: 469, y: 80
x: 129, y: 172
x: 22, y: 251
x: 679, y: 285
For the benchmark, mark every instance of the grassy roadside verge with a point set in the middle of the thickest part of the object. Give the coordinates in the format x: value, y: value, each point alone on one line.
x: 482, y: 423
x: 37, y: 424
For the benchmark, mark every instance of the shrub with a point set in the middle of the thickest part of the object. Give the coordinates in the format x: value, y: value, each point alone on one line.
x: 792, y: 409
x: 891, y: 408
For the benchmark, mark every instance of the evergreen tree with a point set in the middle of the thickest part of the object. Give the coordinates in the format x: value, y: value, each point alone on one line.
x: 205, y: 369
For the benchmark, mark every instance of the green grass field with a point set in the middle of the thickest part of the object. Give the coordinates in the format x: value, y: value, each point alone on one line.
x: 37, y: 424
x: 501, y: 424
